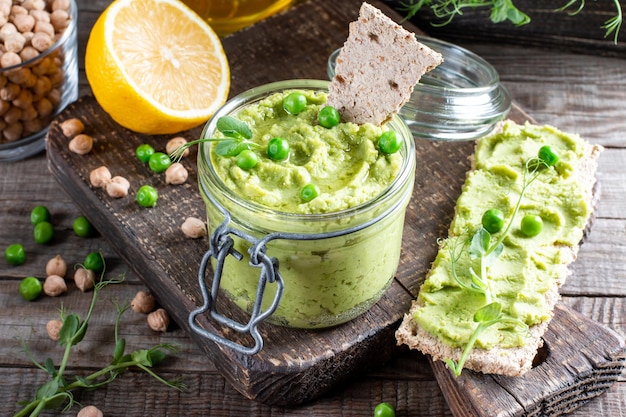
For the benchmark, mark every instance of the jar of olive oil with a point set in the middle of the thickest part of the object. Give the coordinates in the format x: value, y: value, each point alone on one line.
x: 227, y: 16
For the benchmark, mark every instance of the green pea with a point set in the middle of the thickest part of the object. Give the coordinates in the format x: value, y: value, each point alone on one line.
x: 144, y: 152
x: 94, y: 261
x: 389, y: 142
x: 278, y: 149
x: 309, y: 192
x: 82, y: 227
x: 531, y: 225
x: 159, y: 162
x: 384, y: 410
x: 39, y: 214
x: 547, y: 155
x: 294, y: 103
x: 147, y: 196
x: 43, y: 232
x: 247, y: 159
x: 328, y: 117
x: 14, y: 254
x: 30, y: 288
x: 493, y: 220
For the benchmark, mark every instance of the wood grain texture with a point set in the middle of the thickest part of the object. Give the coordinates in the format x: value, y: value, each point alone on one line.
x: 580, y: 93
x: 580, y: 32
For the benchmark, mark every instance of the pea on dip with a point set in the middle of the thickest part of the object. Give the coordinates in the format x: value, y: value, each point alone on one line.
x: 527, y: 273
x: 328, y: 280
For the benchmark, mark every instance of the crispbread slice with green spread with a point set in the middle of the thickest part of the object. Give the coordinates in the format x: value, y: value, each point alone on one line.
x: 525, y: 277
x: 377, y: 68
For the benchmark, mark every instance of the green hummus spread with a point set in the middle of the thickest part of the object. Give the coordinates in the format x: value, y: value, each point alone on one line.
x: 342, y: 161
x: 528, y: 267
x: 328, y: 281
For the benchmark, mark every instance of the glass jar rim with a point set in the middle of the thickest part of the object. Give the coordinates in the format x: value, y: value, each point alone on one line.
x: 257, y: 93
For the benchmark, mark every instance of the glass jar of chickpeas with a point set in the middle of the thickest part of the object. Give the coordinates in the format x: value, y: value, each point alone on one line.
x: 38, y: 71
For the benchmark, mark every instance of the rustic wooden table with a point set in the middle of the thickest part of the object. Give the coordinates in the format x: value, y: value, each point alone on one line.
x: 578, y: 93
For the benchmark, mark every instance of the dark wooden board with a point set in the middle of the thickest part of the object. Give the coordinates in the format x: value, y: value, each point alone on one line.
x: 295, y: 365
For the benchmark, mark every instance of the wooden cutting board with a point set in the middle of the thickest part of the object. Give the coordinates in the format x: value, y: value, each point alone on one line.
x: 299, y: 365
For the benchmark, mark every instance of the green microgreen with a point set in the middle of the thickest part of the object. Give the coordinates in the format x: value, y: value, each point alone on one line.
x: 486, y: 316
x: 501, y: 11
x: 483, y: 248
x: 237, y: 138
x: 58, y: 391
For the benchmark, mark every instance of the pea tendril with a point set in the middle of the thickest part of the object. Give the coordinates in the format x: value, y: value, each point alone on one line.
x: 502, y: 10
x: 237, y: 138
x: 58, y: 391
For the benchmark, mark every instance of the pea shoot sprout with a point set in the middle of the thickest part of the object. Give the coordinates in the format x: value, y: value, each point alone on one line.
x: 58, y: 391
x: 502, y: 11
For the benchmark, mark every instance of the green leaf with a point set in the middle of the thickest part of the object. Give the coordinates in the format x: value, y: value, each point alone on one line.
x: 233, y: 127
x: 488, y: 312
x: 80, y: 334
x: 230, y: 147
x: 142, y: 357
x: 480, y: 243
x: 69, y: 329
x: 156, y: 356
x: 47, y: 390
x: 49, y: 366
x: 493, y: 255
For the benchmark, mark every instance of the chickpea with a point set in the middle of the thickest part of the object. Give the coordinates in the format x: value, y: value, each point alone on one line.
x: 13, y: 131
x: 100, y: 176
x: 90, y: 411
x: 24, y: 99
x: 176, y: 174
x: 10, y: 59
x: 60, y: 19
x: 53, y: 327
x: 41, y: 41
x: 117, y: 187
x: 143, y: 302
x: 10, y: 91
x: 24, y: 23
x: 13, y: 115
x: 174, y: 144
x: 44, y: 27
x: 61, y: 4
x: 44, y: 107
x: 159, y: 320
x: 40, y: 15
x: 15, y: 43
x: 72, y: 127
x: 56, y: 266
x: 81, y: 144
x: 84, y: 279
x: 54, y: 286
x: 194, y: 228
x: 28, y: 53
x: 6, y: 30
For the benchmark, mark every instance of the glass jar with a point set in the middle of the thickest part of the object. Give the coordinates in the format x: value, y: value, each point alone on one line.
x: 34, y: 91
x: 334, y: 265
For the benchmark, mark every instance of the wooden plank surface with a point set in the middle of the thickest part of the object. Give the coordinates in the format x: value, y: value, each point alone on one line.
x: 583, y: 95
x: 580, y: 32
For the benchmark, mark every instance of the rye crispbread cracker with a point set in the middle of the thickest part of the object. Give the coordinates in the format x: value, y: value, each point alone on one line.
x: 513, y: 361
x: 377, y: 68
